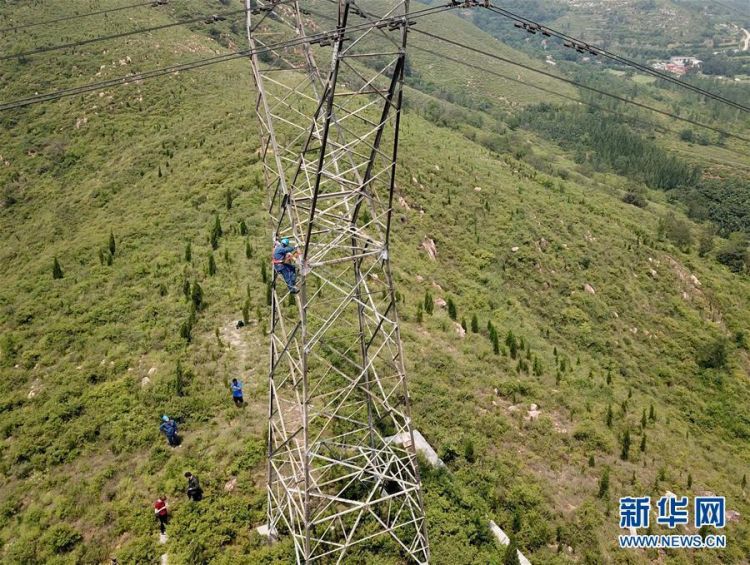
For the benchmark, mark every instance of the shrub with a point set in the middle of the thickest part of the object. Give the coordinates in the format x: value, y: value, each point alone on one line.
x: 474, y: 324
x: 734, y: 253
x: 188, y: 252
x: 61, y: 538
x: 211, y: 265
x: 635, y: 199
x: 714, y: 354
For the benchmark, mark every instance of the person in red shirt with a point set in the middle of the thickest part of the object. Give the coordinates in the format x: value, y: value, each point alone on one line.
x: 161, y: 512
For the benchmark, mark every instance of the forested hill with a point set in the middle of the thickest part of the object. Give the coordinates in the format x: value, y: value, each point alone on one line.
x: 585, y: 263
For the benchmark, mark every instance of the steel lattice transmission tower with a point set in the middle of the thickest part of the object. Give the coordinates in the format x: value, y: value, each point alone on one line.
x: 342, y: 468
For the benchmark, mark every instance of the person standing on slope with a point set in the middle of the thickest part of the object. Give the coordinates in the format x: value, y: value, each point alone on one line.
x: 283, y: 263
x: 236, y: 387
x: 169, y: 428
x: 194, y: 490
x: 161, y: 513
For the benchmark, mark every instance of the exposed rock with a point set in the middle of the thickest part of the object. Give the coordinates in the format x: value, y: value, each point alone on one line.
x: 152, y: 371
x: 419, y: 278
x: 229, y: 487
x: 503, y: 539
x: 588, y: 288
x: 414, y: 180
x: 634, y: 330
x: 437, y: 286
x: 695, y: 281
x: 437, y: 168
x: 36, y: 388
x: 429, y: 245
x: 440, y: 302
x: 652, y: 273
x: 145, y: 381
x: 543, y: 244
x: 420, y: 445
x: 533, y: 413
x: 514, y: 248
x: 459, y: 329
x: 477, y: 189
x: 616, y: 315
x: 403, y: 203
x: 733, y: 516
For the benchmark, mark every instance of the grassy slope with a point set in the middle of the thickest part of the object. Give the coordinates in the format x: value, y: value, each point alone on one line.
x: 84, y: 450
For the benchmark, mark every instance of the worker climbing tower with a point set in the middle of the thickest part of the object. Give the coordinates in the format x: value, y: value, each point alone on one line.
x: 342, y: 468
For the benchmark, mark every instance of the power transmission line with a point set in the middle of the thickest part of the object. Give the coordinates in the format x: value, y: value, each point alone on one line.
x: 79, y: 16
x: 583, y: 47
x: 121, y: 81
x: 626, y: 117
x: 581, y: 85
x: 97, y: 39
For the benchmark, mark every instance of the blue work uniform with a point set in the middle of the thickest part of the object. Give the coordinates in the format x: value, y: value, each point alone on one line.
x: 169, y: 428
x: 237, y: 390
x: 287, y: 271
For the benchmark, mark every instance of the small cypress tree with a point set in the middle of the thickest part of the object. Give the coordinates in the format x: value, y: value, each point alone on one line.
x: 652, y: 413
x: 643, y: 443
x: 452, y: 312
x: 429, y: 304
x: 495, y: 343
x: 469, y: 454
x: 57, y: 272
x: 420, y: 315
x: 112, y: 246
x: 463, y: 324
x: 110, y: 258
x: 474, y: 324
x: 101, y: 257
x: 243, y: 227
x: 229, y: 199
x: 186, y: 289
x: 263, y: 272
x: 609, y: 376
x: 197, y: 296
x: 188, y: 252
x: 643, y: 419
x: 227, y: 259
x: 179, y: 380
x: 216, y: 233
x: 246, y: 312
x: 609, y: 416
x: 248, y: 250
x: 625, y: 445
x: 690, y: 481
x: 592, y: 461
x: 604, y: 483
x: 211, y: 265
x: 538, y: 369
x: 268, y: 294
x: 743, y: 482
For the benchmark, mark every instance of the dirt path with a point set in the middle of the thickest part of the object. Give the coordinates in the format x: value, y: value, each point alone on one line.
x: 745, y: 43
x: 236, y: 339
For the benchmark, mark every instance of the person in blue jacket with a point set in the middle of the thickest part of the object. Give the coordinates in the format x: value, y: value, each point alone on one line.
x: 169, y: 428
x: 281, y: 266
x: 236, y: 387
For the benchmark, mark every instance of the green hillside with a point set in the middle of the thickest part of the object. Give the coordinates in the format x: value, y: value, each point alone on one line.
x: 599, y: 308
